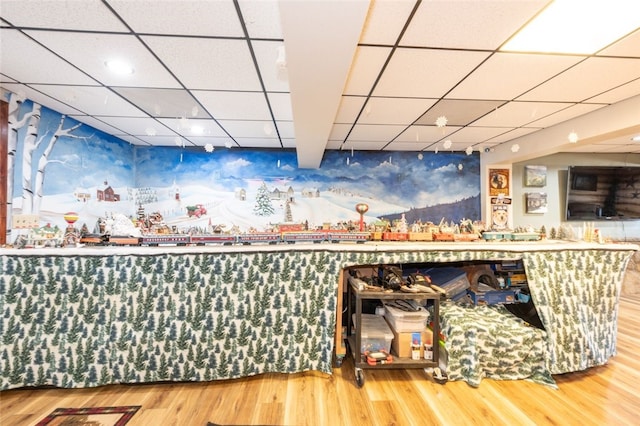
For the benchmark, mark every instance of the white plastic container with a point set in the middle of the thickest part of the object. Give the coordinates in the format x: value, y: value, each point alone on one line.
x: 403, y: 321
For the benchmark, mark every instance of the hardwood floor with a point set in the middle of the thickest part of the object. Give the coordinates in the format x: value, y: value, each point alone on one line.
x: 606, y: 395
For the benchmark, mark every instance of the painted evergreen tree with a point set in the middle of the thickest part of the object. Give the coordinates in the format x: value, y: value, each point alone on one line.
x: 263, y: 206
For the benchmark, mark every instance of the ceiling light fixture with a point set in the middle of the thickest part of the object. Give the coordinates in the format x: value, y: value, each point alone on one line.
x: 447, y: 144
x: 119, y: 67
x: 573, y: 137
x: 515, y: 148
x: 636, y: 138
x: 197, y: 130
x: 469, y: 150
x: 209, y: 147
x: 567, y: 26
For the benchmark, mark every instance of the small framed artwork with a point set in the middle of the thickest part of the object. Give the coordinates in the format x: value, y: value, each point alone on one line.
x: 535, y: 176
x: 536, y: 202
x: 584, y: 182
x: 498, y: 182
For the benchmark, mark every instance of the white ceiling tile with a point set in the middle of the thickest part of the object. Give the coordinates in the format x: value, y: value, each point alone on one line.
x: 628, y: 46
x: 185, y: 125
x: 385, y: 21
x: 40, y: 98
x: 426, y: 134
x: 394, y: 110
x: 349, y: 108
x: 458, y: 112
x: 281, y: 106
x: 373, y: 132
x: 339, y: 131
x: 249, y: 129
x: 464, y: 24
x: 506, y: 76
x: 165, y: 140
x: 587, y: 79
x: 91, y: 100
x: 234, y: 105
x: 192, y: 17
x: 405, y: 146
x: 619, y: 93
x: 367, y: 145
x: 286, y: 129
x: 274, y: 75
x: 211, y: 64
x: 426, y: 73
x: 28, y: 62
x: 96, y: 124
x: 259, y: 142
x: 216, y: 141
x: 88, y: 15
x: 288, y: 143
x: 565, y: 114
x: 91, y: 51
x: 366, y: 66
x: 131, y: 139
x: 138, y: 126
x: 475, y: 134
x: 512, y: 134
x: 334, y: 144
x: 163, y: 102
x: 515, y: 114
x: 262, y: 18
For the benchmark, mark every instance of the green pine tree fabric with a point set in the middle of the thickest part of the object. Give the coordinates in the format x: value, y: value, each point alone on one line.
x: 72, y: 320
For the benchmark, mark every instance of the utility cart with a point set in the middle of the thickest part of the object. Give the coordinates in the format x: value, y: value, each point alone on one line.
x: 355, y: 297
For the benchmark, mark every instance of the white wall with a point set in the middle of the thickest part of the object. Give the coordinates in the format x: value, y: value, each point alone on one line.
x: 556, y: 189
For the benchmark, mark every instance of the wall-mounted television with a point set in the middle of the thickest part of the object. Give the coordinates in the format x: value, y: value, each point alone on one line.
x: 603, y: 193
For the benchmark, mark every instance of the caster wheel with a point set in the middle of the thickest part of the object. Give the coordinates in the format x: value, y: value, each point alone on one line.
x: 359, y: 377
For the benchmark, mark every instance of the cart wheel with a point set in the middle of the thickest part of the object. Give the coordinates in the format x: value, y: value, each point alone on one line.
x: 359, y: 377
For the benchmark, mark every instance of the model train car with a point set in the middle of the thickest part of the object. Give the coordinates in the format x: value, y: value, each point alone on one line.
x: 289, y: 237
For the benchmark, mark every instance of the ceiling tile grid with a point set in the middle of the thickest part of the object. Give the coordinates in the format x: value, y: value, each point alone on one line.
x: 223, y: 65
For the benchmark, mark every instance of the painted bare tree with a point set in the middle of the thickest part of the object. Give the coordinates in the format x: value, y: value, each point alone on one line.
x: 29, y: 146
x: 15, y: 123
x: 44, y: 159
x: 32, y: 191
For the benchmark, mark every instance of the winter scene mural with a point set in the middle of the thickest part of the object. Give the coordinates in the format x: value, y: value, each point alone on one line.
x: 60, y: 165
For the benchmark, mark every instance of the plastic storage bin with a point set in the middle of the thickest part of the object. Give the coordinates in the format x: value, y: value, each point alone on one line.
x: 403, y: 321
x: 375, y: 334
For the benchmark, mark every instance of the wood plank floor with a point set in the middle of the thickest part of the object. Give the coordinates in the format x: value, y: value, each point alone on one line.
x: 606, y: 395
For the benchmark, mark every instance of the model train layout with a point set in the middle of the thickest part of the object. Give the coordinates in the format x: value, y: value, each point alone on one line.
x: 151, y: 230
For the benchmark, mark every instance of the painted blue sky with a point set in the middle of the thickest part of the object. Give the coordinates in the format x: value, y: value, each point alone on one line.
x: 399, y: 177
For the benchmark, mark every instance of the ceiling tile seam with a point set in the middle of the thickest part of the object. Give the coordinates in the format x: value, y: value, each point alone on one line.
x: 416, y: 6
x: 257, y: 68
x: 441, y: 99
x: 585, y: 101
x: 195, y: 99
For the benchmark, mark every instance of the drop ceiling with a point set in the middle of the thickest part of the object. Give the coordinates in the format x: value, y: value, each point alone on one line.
x: 318, y: 75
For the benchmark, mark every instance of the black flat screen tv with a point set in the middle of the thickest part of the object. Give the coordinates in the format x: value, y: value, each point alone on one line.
x: 603, y: 193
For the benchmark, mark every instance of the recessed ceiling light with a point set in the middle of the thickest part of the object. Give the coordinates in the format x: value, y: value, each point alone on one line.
x: 119, y: 67
x: 577, y: 26
x: 636, y: 138
x: 197, y: 130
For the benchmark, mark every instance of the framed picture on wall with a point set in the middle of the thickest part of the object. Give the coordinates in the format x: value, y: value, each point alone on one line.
x: 536, y: 202
x: 498, y: 182
x: 535, y: 176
